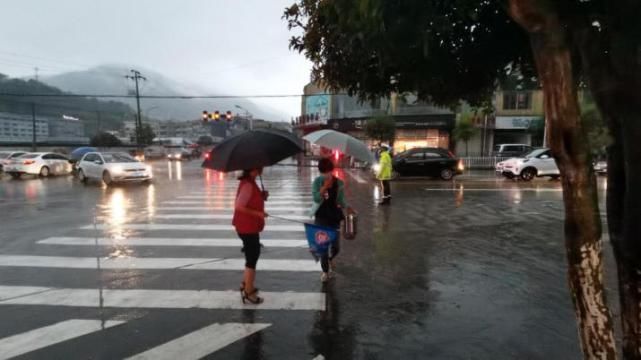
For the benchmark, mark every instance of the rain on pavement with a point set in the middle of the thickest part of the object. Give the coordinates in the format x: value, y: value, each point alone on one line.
x: 468, y: 269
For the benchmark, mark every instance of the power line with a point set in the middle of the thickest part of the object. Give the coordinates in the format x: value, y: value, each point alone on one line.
x: 177, y: 97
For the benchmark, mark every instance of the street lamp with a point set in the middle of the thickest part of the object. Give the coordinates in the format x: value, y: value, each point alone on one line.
x: 247, y: 115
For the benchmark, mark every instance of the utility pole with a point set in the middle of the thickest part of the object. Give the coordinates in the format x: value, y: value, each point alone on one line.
x: 135, y: 77
x: 36, y: 72
x: 33, y: 127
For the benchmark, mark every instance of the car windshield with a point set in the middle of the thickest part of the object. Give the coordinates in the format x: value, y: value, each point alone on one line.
x: 118, y: 158
x: 535, y: 153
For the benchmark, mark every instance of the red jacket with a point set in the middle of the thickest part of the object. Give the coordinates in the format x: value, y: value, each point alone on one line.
x: 246, y: 223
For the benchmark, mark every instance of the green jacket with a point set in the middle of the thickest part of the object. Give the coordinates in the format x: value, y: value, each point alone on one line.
x: 386, y: 166
x: 318, y: 197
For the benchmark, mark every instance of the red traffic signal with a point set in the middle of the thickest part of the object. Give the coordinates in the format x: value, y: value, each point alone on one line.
x: 206, y: 115
x: 228, y: 115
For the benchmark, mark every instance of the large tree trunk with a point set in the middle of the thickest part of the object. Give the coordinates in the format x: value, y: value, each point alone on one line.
x: 569, y: 147
x: 610, y: 59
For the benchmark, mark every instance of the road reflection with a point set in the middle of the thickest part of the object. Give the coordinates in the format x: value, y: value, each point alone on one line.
x: 151, y: 202
x: 175, y: 170
x: 116, y: 216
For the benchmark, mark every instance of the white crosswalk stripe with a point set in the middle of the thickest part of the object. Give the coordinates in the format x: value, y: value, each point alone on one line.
x: 232, y: 198
x: 32, y: 340
x: 154, y: 263
x: 158, y: 299
x: 231, y: 202
x: 305, y: 209
x: 200, y: 343
x: 191, y: 227
x: 218, y: 217
x: 205, y: 242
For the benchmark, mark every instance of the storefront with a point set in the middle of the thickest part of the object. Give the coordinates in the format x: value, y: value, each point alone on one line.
x: 526, y: 130
x: 411, y: 131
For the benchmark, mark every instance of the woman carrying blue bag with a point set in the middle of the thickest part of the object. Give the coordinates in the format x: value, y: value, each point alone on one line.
x: 329, y: 202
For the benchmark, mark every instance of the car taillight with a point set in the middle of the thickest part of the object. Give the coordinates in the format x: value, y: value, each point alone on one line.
x: 207, y: 156
x: 28, y: 162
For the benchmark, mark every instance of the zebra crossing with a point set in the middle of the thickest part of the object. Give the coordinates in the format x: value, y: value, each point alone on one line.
x: 122, y: 236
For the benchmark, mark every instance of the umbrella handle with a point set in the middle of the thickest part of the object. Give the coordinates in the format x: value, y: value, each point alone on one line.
x: 262, y: 187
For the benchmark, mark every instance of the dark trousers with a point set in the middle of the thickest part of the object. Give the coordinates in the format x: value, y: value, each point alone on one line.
x: 386, y: 190
x: 251, y: 246
x: 334, y: 249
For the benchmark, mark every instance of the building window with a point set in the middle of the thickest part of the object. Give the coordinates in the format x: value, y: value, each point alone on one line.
x: 517, y: 100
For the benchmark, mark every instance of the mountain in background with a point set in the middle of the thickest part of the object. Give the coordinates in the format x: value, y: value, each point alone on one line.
x: 110, y: 79
x: 94, y: 113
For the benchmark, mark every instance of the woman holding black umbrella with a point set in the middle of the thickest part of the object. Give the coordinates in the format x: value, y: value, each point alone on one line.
x: 251, y: 150
x: 249, y: 221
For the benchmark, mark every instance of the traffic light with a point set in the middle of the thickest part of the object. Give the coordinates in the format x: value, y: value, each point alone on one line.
x: 216, y: 115
x: 228, y: 116
x: 205, y: 115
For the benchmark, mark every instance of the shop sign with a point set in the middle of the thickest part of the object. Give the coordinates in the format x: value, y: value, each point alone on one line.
x: 517, y: 122
x: 423, y: 124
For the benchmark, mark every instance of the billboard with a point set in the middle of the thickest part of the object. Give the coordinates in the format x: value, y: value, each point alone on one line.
x: 318, y: 105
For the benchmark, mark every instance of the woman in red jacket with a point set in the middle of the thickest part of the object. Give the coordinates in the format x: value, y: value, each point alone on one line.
x: 249, y: 221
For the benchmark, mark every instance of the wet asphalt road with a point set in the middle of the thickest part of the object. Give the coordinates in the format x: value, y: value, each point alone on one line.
x: 470, y: 269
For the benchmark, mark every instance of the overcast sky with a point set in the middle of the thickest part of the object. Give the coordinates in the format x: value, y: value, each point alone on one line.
x: 240, y: 43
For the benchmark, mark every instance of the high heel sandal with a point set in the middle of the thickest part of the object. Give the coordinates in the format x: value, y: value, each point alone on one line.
x: 246, y: 297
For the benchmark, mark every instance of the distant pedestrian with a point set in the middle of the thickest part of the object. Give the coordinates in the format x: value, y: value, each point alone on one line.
x: 385, y: 174
x: 329, y: 202
x: 249, y: 221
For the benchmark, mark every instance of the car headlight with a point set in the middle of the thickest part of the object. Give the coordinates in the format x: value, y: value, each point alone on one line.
x: 149, y: 170
x: 376, y: 168
x: 117, y: 169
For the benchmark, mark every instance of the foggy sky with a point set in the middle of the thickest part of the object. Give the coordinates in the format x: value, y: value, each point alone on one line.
x: 240, y: 46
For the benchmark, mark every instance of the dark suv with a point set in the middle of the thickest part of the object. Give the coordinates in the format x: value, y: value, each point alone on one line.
x: 435, y: 162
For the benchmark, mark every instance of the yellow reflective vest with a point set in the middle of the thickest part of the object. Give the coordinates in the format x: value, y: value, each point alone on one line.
x: 386, y: 166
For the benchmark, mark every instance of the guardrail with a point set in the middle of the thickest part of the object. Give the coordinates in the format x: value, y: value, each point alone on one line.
x: 482, y: 162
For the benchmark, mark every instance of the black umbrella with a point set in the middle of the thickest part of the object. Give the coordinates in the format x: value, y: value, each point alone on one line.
x: 253, y: 149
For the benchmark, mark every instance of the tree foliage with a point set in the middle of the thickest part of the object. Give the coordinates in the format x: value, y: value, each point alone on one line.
x: 465, y: 130
x: 381, y: 128
x: 105, y: 139
x: 431, y: 48
x: 147, y: 134
x: 596, y: 131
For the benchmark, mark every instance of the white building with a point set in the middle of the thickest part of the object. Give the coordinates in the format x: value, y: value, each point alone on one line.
x: 19, y: 128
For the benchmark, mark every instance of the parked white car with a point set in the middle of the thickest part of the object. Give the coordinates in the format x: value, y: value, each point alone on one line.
x: 40, y: 163
x: 537, y: 163
x: 112, y: 167
x: 7, y: 156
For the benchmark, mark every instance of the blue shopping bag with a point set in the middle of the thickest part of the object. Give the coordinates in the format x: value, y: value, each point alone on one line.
x: 320, y: 238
